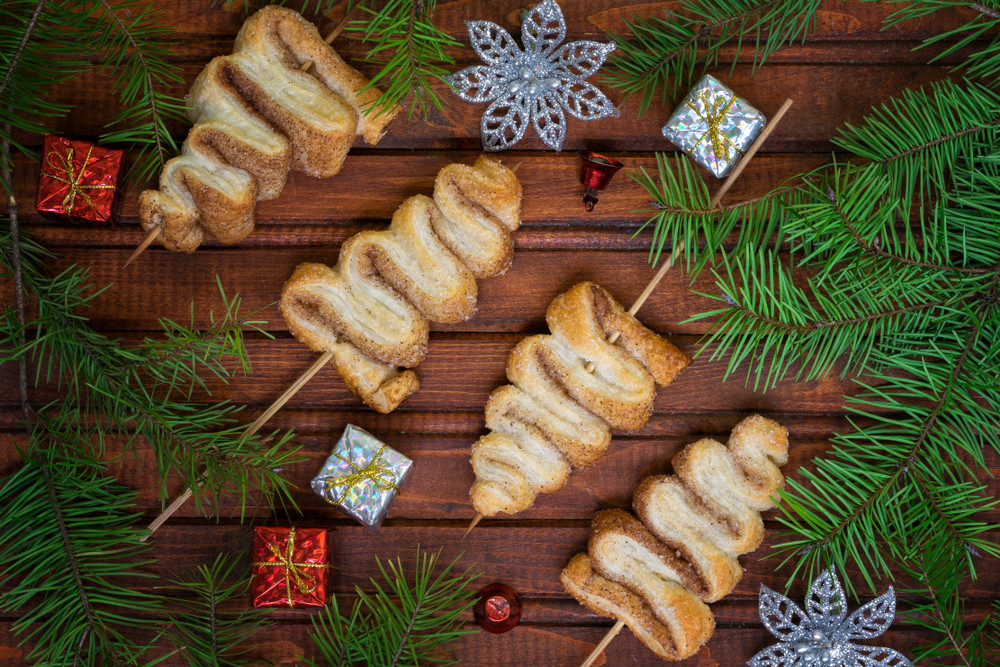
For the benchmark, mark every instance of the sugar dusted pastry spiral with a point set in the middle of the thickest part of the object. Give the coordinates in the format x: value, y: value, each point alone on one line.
x: 256, y: 115
x: 555, y: 416
x: 373, y: 309
x: 657, y: 571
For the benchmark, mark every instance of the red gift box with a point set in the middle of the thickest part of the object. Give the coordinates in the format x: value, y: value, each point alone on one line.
x: 78, y: 180
x: 289, y: 567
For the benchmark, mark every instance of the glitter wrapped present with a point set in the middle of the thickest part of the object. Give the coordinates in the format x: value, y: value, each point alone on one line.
x: 714, y: 126
x: 78, y: 180
x: 289, y: 567
x: 362, y: 476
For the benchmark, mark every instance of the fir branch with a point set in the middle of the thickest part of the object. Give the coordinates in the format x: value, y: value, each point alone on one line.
x: 910, y: 146
x: 409, y: 49
x: 31, y: 32
x: 15, y: 60
x: 117, y: 387
x: 66, y: 550
x: 668, y: 54
x: 49, y: 43
x: 985, y: 11
x: 137, y: 58
x: 982, y: 63
x: 403, y: 622
x: 203, y: 629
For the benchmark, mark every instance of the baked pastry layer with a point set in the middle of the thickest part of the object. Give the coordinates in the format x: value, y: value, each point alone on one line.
x: 257, y: 115
x: 374, y: 307
x: 656, y: 572
x: 555, y: 416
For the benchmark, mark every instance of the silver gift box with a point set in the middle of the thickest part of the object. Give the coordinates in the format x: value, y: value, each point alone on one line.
x: 714, y: 126
x: 362, y: 476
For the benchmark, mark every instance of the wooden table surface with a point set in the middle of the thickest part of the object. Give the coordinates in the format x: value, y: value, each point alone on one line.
x: 847, y: 66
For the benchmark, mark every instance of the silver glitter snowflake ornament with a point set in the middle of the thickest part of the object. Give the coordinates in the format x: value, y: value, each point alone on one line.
x: 824, y: 635
x: 534, y: 84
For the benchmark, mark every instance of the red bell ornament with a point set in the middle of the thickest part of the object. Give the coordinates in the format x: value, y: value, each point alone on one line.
x: 497, y: 608
x: 596, y: 171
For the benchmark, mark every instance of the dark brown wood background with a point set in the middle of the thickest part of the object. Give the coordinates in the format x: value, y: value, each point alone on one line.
x: 849, y: 65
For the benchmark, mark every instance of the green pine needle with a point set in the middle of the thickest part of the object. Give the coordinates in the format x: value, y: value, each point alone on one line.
x: 213, y: 620
x: 666, y: 55
x: 69, y: 559
x: 113, y: 391
x: 404, y: 622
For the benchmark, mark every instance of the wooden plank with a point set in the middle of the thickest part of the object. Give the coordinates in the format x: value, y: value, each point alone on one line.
x: 528, y: 557
x: 196, y: 20
x: 158, y: 287
x: 843, y: 94
x: 438, y: 488
x: 326, y: 212
x: 460, y: 374
x: 288, y: 643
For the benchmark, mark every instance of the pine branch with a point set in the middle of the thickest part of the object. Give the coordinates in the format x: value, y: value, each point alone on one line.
x: 134, y: 53
x: 409, y: 49
x: 982, y: 63
x: 668, y: 54
x: 403, y: 622
x: 204, y: 631
x: 109, y: 387
x: 66, y: 548
x: 985, y: 11
x: 49, y: 43
x: 910, y: 147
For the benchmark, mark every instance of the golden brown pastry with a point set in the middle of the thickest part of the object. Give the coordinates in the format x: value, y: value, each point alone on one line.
x: 256, y: 115
x: 555, y: 416
x: 373, y: 309
x: 657, y: 574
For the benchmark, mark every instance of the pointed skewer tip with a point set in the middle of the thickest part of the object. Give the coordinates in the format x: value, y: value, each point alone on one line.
x: 475, y: 522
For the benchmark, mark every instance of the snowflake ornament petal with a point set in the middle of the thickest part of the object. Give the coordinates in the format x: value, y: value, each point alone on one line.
x: 536, y: 85
x: 820, y: 636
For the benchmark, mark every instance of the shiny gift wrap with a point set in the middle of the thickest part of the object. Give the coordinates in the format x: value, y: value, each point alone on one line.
x: 714, y: 126
x: 78, y: 180
x: 362, y: 476
x: 289, y: 567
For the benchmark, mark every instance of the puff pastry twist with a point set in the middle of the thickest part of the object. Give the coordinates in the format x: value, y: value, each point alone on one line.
x: 556, y: 416
x: 373, y: 309
x: 657, y: 571
x: 256, y: 115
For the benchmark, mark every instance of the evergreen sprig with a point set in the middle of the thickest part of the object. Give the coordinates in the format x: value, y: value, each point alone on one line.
x: 404, y: 622
x: 666, y: 55
x: 69, y: 558
x: 410, y: 51
x: 44, y: 44
x: 909, y: 145
x: 127, y: 392
x: 207, y: 629
x: 402, y: 41
x: 984, y: 25
x: 887, y: 268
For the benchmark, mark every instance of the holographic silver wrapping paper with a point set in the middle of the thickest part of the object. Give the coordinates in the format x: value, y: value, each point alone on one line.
x: 710, y: 104
x: 368, y: 498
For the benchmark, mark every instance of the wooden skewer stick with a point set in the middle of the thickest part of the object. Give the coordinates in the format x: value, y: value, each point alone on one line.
x: 675, y: 255
x: 603, y: 644
x: 146, y: 242
x: 754, y: 147
x: 155, y: 232
x: 251, y: 429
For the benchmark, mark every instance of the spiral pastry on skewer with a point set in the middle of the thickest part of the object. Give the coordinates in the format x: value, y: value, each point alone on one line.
x: 555, y: 416
x: 657, y: 571
x: 256, y: 115
x: 373, y: 309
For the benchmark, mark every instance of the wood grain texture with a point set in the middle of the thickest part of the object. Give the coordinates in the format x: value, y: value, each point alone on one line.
x: 847, y: 66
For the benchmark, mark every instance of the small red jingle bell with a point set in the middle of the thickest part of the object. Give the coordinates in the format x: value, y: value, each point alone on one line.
x: 596, y: 171
x: 497, y: 608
